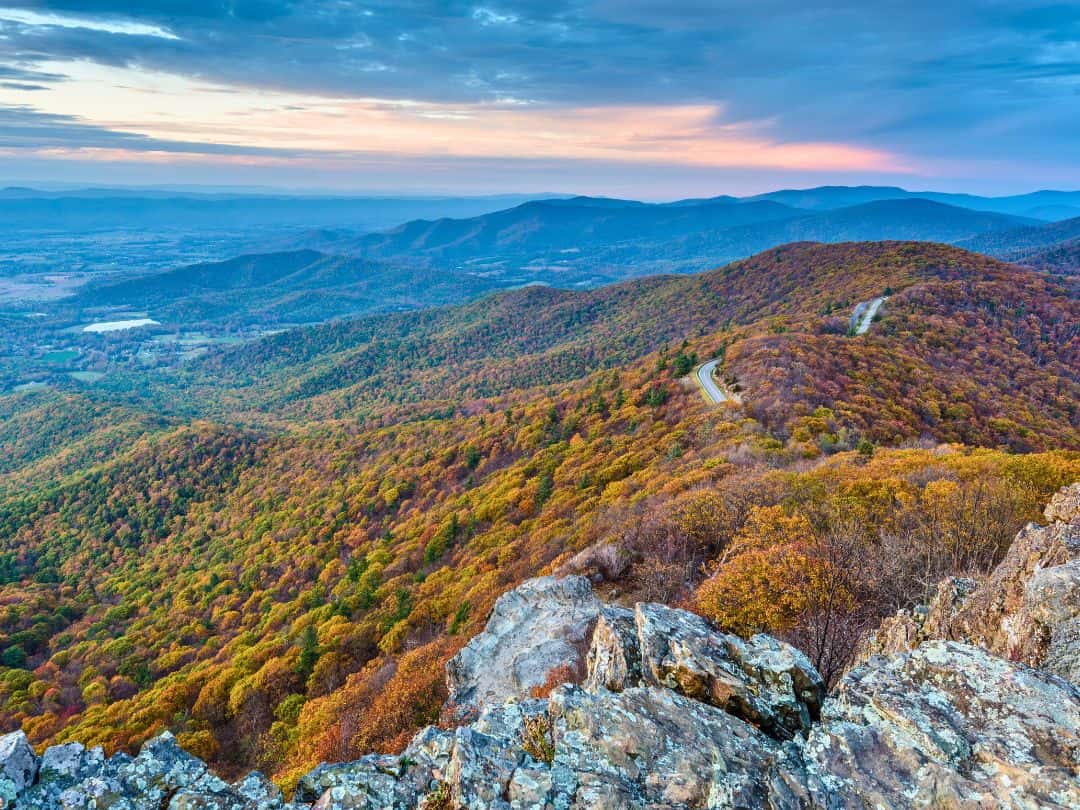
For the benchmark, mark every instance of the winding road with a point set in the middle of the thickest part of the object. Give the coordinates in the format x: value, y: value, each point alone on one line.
x: 712, y: 390
x: 864, y: 314
x: 718, y: 393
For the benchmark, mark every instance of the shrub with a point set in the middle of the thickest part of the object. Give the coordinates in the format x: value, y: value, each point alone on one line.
x: 564, y: 673
x: 438, y: 799
x: 536, y: 738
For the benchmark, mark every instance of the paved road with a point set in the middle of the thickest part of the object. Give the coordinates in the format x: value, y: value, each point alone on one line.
x: 705, y: 377
x: 865, y: 312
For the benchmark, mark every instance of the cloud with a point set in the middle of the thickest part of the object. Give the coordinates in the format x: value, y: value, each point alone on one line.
x: 51, y: 20
x: 963, y: 81
x: 18, y: 74
x: 24, y: 128
x: 90, y: 114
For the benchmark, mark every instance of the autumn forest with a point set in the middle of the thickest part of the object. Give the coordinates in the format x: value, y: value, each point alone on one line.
x: 273, y: 551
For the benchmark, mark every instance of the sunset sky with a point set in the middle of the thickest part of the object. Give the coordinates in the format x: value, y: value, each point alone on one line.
x: 630, y: 98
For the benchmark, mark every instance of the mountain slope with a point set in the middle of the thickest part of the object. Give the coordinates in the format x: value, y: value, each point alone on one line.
x: 1063, y: 258
x: 289, y: 287
x: 550, y: 228
x: 288, y: 593
x: 800, y: 296
x: 1029, y: 244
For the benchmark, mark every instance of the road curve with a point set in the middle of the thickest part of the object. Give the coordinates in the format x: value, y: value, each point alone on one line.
x: 708, y: 384
x: 865, y: 312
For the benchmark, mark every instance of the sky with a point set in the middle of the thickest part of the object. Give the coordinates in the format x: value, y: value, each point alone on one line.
x: 652, y: 100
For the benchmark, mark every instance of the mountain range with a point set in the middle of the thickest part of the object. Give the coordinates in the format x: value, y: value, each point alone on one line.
x: 573, y: 242
x: 295, y: 286
x: 1045, y: 205
x: 607, y: 239
x: 1052, y: 247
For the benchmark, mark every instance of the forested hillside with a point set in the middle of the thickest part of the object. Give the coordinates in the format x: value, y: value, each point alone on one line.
x: 301, y: 286
x: 278, y: 570
x: 962, y: 342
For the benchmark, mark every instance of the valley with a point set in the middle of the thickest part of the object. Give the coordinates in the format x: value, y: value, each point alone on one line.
x: 337, y: 272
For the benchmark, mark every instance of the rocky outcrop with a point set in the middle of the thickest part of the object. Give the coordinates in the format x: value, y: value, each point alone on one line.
x: 1027, y: 609
x: 1052, y: 599
x: 652, y: 747
x: 542, y: 625
x: 72, y: 777
x: 947, y: 725
x: 763, y: 681
x: 18, y: 765
x: 1064, y: 506
x: 663, y: 710
x: 614, y: 661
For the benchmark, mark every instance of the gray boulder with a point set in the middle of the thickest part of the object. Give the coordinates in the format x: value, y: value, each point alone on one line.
x: 1052, y: 601
x: 61, y: 767
x: 70, y: 762
x: 18, y: 766
x: 480, y: 769
x: 1064, y: 506
x: 253, y: 792
x: 255, y: 787
x: 369, y: 782
x: 946, y: 725
x: 614, y: 660
x: 162, y: 776
x: 763, y: 681
x: 652, y: 747
x: 542, y: 625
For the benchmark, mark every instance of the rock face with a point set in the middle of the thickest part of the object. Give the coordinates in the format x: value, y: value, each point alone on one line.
x: 1027, y: 609
x: 947, y: 725
x: 663, y: 710
x: 542, y: 625
x: 763, y: 681
x: 161, y: 777
x: 614, y: 661
x: 18, y: 765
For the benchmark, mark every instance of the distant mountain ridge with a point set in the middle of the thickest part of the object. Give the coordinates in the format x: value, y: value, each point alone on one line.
x: 568, y: 242
x: 585, y: 240
x: 335, y: 271
x: 1052, y: 247
x: 1045, y: 204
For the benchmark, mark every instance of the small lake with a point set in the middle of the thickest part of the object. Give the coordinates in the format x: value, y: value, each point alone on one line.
x: 116, y: 326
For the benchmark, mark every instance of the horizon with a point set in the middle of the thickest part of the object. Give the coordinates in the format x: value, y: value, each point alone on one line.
x: 46, y: 187
x: 611, y: 99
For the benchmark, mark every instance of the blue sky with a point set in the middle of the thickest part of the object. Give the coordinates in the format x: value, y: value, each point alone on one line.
x: 646, y: 99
